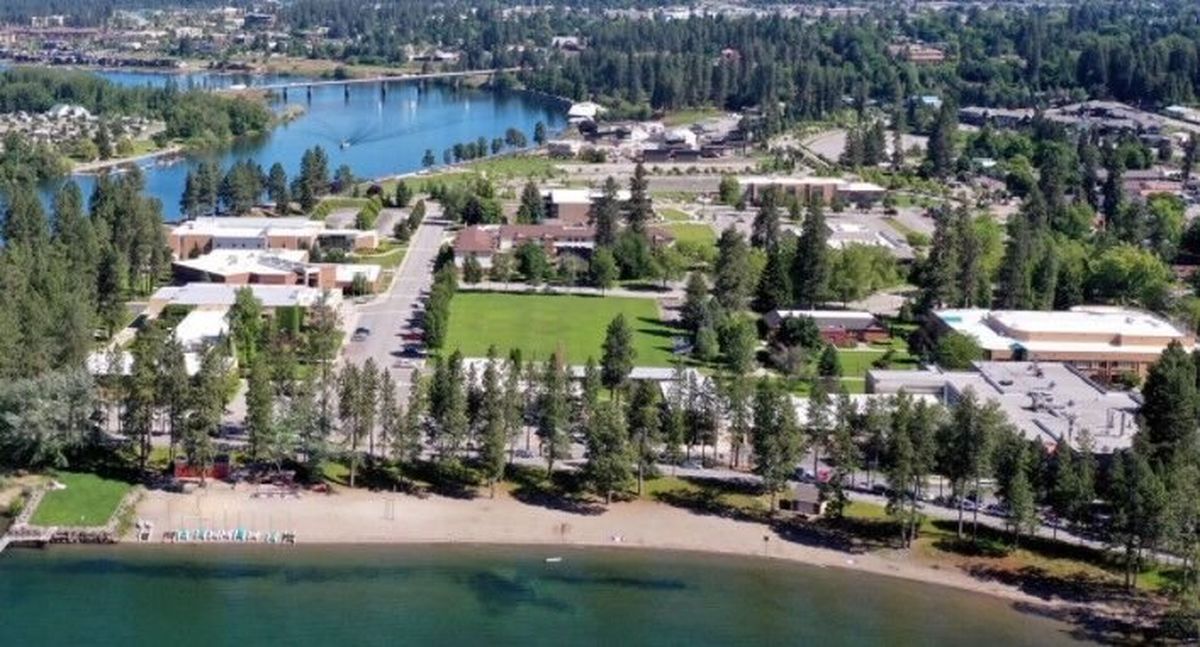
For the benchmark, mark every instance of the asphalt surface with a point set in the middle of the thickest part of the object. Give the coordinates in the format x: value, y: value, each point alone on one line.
x: 391, y: 318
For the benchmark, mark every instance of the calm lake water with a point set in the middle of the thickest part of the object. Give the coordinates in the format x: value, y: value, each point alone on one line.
x: 387, y: 134
x: 427, y: 595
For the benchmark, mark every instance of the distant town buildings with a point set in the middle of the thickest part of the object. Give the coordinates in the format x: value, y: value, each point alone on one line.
x: 917, y: 53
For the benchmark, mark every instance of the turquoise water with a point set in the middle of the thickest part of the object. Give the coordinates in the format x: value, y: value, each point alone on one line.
x: 388, y: 133
x: 471, y: 595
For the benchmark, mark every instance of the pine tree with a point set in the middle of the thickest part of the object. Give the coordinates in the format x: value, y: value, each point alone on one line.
x: 616, y: 361
x: 939, y: 153
x: 643, y: 427
x: 777, y: 443
x: 606, y: 213
x: 553, y: 410
x: 810, y: 265
x: 774, y: 285
x: 494, y: 437
x: 939, y: 271
x: 277, y: 189
x: 639, y: 212
x: 732, y: 286
x: 532, y: 209
x: 765, y: 231
x: 259, y: 408
x: 607, y: 467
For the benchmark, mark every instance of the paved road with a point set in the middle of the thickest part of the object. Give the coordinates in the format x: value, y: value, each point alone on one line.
x: 391, y: 316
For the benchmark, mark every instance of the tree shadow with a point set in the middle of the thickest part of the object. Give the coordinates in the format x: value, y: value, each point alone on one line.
x: 706, y: 496
x: 562, y: 492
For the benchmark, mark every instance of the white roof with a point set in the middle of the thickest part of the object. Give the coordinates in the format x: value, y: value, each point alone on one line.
x: 570, y: 196
x: 1098, y: 326
x: 345, y: 272
x: 860, y: 186
x: 200, y: 326
x: 221, y: 294
x: 217, y: 223
x: 584, y: 109
x: 1096, y: 319
x: 226, y: 262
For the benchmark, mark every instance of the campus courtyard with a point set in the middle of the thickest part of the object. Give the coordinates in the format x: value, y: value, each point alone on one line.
x: 538, y: 324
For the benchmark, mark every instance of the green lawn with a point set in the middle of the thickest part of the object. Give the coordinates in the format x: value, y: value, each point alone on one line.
x: 539, y: 324
x: 686, y: 232
x: 343, y: 202
x: 89, y: 500
x: 674, y: 215
x: 387, y: 260
x: 517, y: 166
x: 856, y: 363
x: 690, y: 116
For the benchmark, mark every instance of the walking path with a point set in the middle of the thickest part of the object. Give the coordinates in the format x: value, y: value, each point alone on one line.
x: 673, y: 291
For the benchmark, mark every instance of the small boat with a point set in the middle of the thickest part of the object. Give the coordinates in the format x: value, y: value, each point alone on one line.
x: 345, y: 144
x: 553, y: 560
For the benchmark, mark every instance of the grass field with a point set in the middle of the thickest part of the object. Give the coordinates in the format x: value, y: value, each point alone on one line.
x: 540, y: 324
x: 691, y: 116
x: 686, y: 232
x: 856, y: 363
x: 672, y: 214
x: 89, y: 500
x: 387, y: 260
x: 516, y: 166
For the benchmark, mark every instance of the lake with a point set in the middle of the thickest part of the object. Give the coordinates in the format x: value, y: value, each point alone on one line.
x: 484, y: 595
x: 388, y: 134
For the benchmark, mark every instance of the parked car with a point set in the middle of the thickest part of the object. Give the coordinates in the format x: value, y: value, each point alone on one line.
x: 360, y: 334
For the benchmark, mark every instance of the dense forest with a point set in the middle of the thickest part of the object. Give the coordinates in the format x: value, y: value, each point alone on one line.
x: 1004, y: 55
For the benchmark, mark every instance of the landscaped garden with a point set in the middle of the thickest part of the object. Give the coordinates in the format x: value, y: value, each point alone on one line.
x: 539, y: 324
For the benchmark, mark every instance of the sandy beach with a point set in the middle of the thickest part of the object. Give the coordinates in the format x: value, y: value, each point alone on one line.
x: 349, y: 517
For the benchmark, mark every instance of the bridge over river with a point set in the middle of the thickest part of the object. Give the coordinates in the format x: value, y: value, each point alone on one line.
x: 381, y: 79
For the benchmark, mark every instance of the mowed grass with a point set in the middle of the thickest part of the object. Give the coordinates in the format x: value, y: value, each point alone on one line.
x: 89, y: 500
x: 686, y: 232
x: 674, y: 215
x: 387, y: 260
x: 540, y: 324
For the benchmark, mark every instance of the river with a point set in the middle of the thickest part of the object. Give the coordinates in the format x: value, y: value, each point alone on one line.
x: 459, y: 595
x: 387, y: 134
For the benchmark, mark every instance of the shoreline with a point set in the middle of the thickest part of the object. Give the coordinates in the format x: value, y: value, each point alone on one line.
x: 349, y: 518
x: 91, y: 168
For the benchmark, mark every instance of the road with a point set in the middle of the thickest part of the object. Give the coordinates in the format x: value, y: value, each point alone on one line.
x: 390, y: 316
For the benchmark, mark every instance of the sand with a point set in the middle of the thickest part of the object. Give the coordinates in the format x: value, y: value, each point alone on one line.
x: 348, y: 517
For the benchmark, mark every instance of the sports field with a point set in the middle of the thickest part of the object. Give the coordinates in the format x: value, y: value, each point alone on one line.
x: 539, y: 324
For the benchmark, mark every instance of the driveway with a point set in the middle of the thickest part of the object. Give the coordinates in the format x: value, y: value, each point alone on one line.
x: 390, y: 317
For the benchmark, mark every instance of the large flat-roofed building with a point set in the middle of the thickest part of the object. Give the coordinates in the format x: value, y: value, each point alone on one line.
x: 1050, y: 402
x: 211, y: 295
x: 1101, y: 341
x: 202, y: 235
x: 807, y: 189
x: 272, y: 267
x: 573, y: 207
x: 485, y: 241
